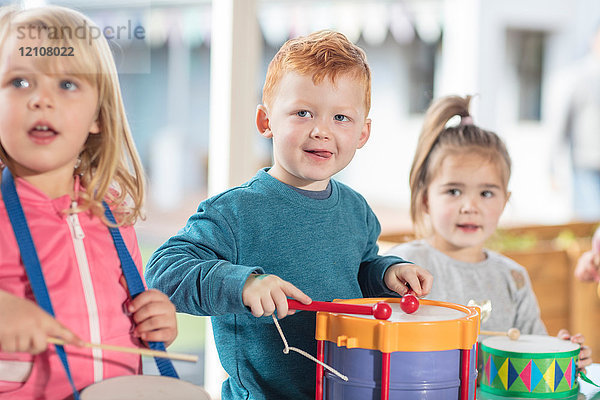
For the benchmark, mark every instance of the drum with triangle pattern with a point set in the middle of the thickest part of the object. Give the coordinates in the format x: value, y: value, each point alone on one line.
x: 534, y: 366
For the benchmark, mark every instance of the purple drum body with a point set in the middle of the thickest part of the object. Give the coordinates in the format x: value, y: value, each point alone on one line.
x: 428, y: 375
x: 426, y: 355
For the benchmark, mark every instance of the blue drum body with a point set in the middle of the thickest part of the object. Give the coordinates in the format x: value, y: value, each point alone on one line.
x: 429, y: 375
x: 417, y: 356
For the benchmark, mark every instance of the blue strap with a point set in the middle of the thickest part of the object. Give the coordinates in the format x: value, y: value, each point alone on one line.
x: 136, y: 286
x: 30, y: 258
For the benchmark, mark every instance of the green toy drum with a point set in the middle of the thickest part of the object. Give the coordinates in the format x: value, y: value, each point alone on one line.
x: 534, y: 366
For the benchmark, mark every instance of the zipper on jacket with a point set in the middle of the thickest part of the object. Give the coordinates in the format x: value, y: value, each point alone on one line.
x: 78, y: 235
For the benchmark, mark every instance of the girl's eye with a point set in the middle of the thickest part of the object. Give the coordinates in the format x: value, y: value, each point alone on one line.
x: 454, y: 192
x: 20, y: 83
x: 487, y: 194
x: 68, y: 85
x: 341, y: 118
x: 303, y: 114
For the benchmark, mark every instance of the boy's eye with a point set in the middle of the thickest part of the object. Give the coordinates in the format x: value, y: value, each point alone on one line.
x: 20, y: 83
x: 454, y: 192
x: 341, y: 118
x: 68, y: 85
x: 303, y: 114
x: 487, y: 194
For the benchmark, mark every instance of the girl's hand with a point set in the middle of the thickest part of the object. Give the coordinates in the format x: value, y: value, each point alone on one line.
x: 585, y: 354
x: 265, y: 293
x: 399, y: 276
x: 25, y: 327
x: 154, y: 317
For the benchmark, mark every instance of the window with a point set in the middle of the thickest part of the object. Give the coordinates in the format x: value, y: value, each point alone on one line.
x: 526, y: 54
x: 422, y: 57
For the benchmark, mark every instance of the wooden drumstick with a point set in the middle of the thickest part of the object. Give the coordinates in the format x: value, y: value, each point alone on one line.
x: 512, y: 333
x: 134, y: 350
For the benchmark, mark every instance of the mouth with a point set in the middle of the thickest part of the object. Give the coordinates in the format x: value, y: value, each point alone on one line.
x: 468, y: 227
x: 324, y: 154
x: 42, y: 132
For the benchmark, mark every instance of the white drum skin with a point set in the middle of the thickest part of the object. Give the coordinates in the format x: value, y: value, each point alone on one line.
x: 144, y: 387
x: 530, y: 344
x: 425, y: 313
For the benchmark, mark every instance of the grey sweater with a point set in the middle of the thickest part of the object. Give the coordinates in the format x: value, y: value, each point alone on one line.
x: 498, y: 279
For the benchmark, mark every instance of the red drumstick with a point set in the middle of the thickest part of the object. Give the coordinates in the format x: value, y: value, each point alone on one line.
x: 380, y: 310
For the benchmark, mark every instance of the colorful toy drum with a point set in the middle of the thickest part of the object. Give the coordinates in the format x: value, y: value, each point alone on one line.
x: 143, y: 387
x: 428, y: 354
x: 534, y: 366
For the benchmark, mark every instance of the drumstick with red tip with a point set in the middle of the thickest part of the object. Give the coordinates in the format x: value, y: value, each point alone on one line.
x: 409, y: 302
x: 380, y: 310
x: 134, y: 350
x: 512, y: 333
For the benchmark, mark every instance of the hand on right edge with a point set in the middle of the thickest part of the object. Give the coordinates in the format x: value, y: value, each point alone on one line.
x: 264, y: 294
x: 588, y: 265
x: 25, y: 327
x: 587, y: 269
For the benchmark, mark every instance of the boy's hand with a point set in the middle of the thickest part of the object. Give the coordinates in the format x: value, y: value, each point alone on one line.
x: 399, y: 276
x: 265, y: 293
x: 585, y: 354
x: 25, y: 327
x: 154, y: 317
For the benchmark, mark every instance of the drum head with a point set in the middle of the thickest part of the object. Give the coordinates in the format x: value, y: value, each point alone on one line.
x: 530, y: 344
x: 425, y: 313
x: 143, y: 387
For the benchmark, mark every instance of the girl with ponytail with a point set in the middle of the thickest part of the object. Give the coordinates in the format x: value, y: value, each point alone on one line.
x: 459, y: 188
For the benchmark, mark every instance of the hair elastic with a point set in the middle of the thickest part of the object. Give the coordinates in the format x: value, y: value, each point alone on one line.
x: 466, y: 120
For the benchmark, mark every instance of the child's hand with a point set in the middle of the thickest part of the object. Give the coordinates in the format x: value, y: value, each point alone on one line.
x: 589, y: 262
x: 25, y: 327
x: 154, y: 317
x: 587, y: 267
x: 585, y: 354
x: 398, y: 276
x: 265, y: 293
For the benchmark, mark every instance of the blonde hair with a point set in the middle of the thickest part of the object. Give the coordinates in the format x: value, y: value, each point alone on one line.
x: 437, y: 141
x: 322, y: 54
x: 110, y: 168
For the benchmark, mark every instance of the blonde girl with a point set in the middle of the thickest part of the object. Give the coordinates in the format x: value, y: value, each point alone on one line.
x: 459, y: 188
x: 66, y: 145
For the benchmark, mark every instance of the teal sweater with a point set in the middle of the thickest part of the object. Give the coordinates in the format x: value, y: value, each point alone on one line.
x: 327, y: 248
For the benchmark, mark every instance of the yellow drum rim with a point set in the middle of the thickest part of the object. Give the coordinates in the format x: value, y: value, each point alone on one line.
x: 388, y: 337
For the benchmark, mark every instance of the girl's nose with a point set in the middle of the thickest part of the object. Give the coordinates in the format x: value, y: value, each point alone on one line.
x: 469, y: 206
x: 41, y: 99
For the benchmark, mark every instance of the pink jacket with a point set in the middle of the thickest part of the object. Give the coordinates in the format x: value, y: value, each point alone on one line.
x: 82, y: 272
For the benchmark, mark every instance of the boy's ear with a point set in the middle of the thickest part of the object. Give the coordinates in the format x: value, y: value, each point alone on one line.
x: 262, y: 122
x: 365, y: 133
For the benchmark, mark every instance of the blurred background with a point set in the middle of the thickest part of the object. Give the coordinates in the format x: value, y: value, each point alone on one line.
x: 192, y: 82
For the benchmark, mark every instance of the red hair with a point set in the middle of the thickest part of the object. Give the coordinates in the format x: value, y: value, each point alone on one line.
x: 321, y: 54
